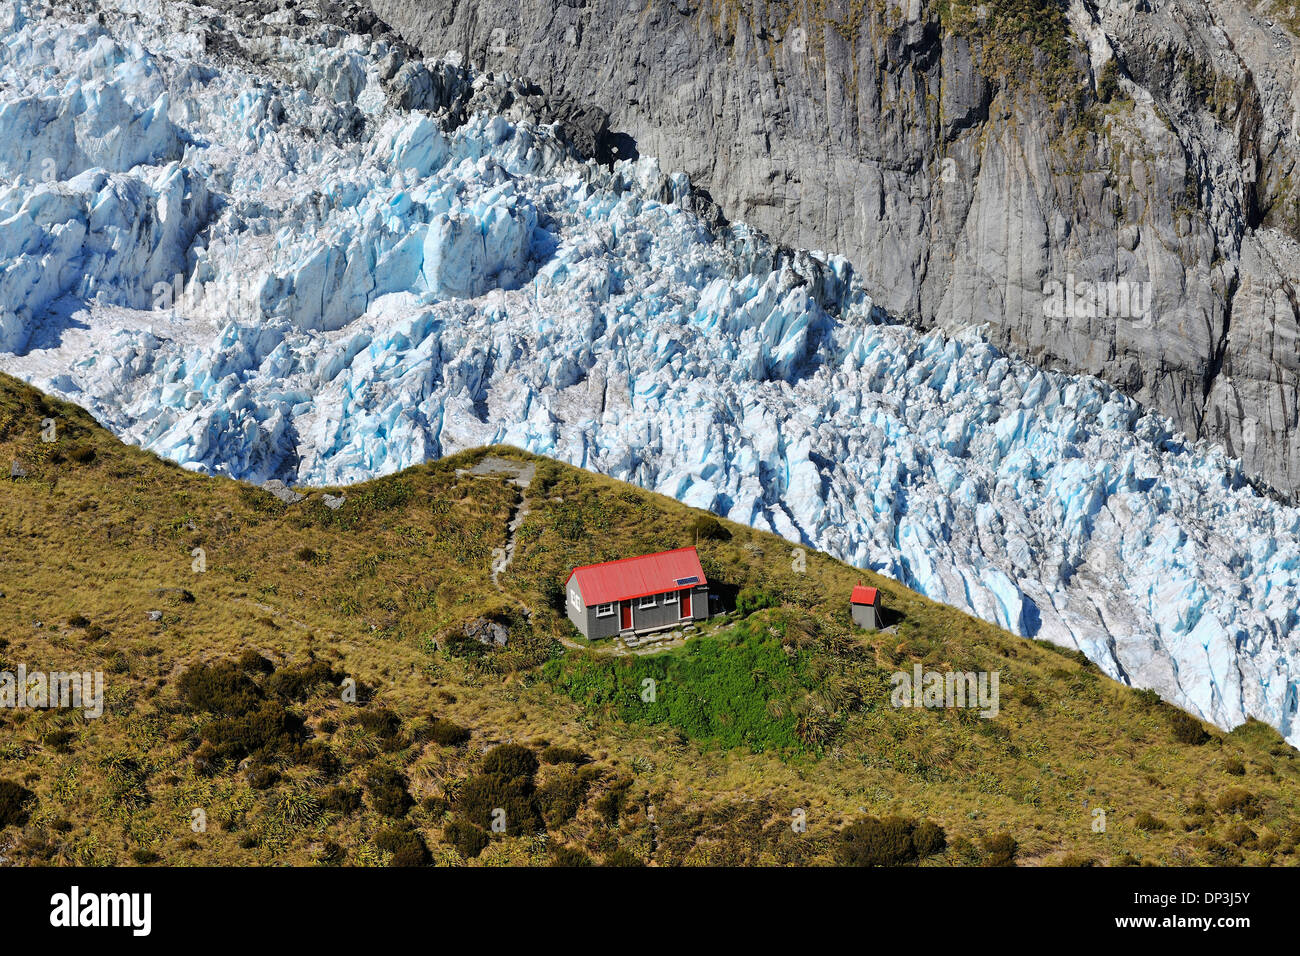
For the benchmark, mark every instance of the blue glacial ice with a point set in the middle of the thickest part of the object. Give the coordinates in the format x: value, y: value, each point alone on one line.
x: 272, y: 270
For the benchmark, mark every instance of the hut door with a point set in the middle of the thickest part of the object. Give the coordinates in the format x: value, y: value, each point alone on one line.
x: 686, y: 604
x: 627, y: 616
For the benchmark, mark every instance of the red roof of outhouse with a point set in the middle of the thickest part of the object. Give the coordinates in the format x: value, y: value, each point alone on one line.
x: 863, y: 595
x: 636, y: 577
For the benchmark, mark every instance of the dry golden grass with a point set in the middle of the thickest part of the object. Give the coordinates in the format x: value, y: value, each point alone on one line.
x: 101, y: 534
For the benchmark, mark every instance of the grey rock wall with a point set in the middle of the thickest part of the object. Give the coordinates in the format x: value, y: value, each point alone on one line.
x: 963, y: 170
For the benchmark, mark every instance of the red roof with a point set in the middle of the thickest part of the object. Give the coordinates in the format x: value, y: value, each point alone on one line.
x: 863, y: 595
x: 636, y: 577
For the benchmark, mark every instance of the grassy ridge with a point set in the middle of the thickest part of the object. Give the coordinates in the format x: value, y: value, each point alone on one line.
x: 311, y: 693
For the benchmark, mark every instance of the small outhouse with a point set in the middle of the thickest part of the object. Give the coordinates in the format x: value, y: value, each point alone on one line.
x: 865, y: 604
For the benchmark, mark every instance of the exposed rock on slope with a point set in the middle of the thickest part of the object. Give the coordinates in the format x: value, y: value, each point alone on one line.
x: 964, y: 156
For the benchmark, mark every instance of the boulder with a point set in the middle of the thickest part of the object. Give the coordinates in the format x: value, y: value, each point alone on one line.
x: 486, y: 631
x: 282, y: 491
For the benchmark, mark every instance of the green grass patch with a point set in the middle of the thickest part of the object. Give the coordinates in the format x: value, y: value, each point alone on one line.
x: 735, y: 689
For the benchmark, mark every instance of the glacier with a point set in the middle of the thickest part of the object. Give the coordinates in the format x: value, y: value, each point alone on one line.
x: 235, y: 241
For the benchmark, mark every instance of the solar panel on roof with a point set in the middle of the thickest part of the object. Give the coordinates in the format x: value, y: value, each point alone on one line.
x: 690, y: 580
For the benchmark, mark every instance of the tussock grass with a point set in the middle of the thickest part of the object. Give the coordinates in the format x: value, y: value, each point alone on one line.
x: 299, y: 701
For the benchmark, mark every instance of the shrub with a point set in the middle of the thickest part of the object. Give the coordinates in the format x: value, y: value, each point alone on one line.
x: 254, y: 663
x: 1234, y: 767
x: 1238, y: 800
x: 81, y: 454
x: 1260, y: 735
x: 510, y: 760
x: 266, y: 731
x: 928, y: 838
x: 384, y: 724
x: 1108, y: 81
x: 468, y: 839
x: 1239, y: 834
x: 318, y: 755
x: 1147, y: 697
x: 554, y: 755
x: 144, y: 857
x: 965, y: 852
x: 78, y: 620
x: 15, y: 803
x: 483, y: 795
x: 1146, y: 821
x: 405, y: 844
x: 750, y: 600
x: 1187, y: 729
x: 60, y: 740
x: 1082, y: 659
x: 446, y: 733
x: 297, y: 683
x: 614, y: 802
x: 261, y: 777
x: 344, y: 800
x: 561, y: 798
x: 206, y: 759
x: 435, y: 806
x: 1000, y: 850
x: 388, y: 793
x: 221, y: 688
x: 872, y: 842
x: 709, y: 528
x: 305, y: 554
x: 569, y: 856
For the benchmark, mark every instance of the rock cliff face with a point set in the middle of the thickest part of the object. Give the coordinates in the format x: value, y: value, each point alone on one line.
x: 1110, y: 187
